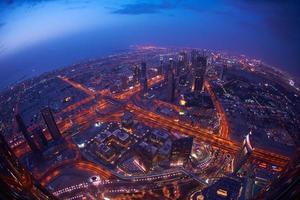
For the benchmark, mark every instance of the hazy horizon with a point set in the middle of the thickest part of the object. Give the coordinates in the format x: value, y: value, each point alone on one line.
x: 39, y: 36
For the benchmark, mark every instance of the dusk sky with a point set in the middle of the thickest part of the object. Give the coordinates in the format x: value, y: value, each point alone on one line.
x: 38, y: 36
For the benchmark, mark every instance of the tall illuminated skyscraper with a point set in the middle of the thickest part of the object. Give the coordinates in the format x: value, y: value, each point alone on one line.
x: 200, y: 69
x: 286, y: 184
x: 16, y: 182
x: 51, y: 124
x: 161, y: 65
x: 180, y: 151
x: 144, y: 81
x: 182, y: 63
x: 28, y: 137
x: 171, y: 82
x: 136, y: 73
x: 243, y: 154
x: 194, y: 55
x: 38, y: 133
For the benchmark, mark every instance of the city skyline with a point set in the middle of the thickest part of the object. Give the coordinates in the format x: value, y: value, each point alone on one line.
x: 138, y: 100
x: 153, y: 123
x: 72, y: 32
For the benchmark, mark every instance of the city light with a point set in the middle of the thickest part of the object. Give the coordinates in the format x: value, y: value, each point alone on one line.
x: 149, y: 100
x: 82, y: 145
x: 98, y: 124
x: 182, y: 102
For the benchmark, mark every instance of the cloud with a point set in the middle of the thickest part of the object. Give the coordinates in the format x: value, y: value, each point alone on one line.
x: 137, y: 9
x: 281, y: 17
x: 158, y: 6
x: 2, y: 48
x: 146, y: 8
x: 7, y: 3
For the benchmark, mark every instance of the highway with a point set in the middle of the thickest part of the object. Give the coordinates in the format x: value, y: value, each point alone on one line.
x: 152, y: 118
x: 222, y: 141
x: 88, y: 116
x: 224, y: 127
x: 80, y: 165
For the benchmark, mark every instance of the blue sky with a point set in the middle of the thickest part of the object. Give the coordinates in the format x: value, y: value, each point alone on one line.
x: 38, y: 36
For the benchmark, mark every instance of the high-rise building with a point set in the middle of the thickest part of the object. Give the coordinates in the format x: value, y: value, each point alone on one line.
x: 146, y: 155
x: 143, y: 70
x: 136, y: 73
x: 127, y: 119
x: 38, y: 133
x: 167, y: 69
x: 182, y: 63
x: 51, y: 124
x: 225, y: 188
x: 200, y: 69
x: 194, y: 55
x: 171, y: 87
x: 124, y: 82
x: 223, y: 71
x: 171, y: 82
x: 180, y: 151
x: 16, y: 182
x: 183, y: 70
x: 144, y: 81
x: 286, y: 185
x: 243, y: 154
x: 161, y: 66
x: 28, y: 137
x: 145, y: 85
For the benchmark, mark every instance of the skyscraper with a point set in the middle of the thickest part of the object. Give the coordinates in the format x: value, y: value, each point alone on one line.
x: 136, y: 73
x: 182, y: 63
x: 223, y: 71
x: 171, y: 87
x: 171, y: 82
x: 243, y: 154
x: 51, y: 124
x: 124, y: 82
x: 26, y: 134
x: 180, y: 151
x: 286, y: 185
x: 38, y: 133
x: 144, y: 81
x: 200, y: 69
x: 182, y: 71
x: 194, y: 55
x: 225, y: 188
x: 161, y: 65
x: 167, y: 69
x: 143, y: 70
x: 16, y: 182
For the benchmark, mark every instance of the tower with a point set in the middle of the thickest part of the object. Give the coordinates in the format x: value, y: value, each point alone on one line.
x: 136, y: 73
x: 194, y: 55
x: 51, y: 124
x: 243, y: 154
x: 180, y: 151
x: 16, y: 182
x: 223, y: 71
x: 286, y: 184
x: 182, y: 63
x: 124, y: 82
x: 167, y: 70
x: 26, y: 134
x: 144, y: 81
x: 161, y: 65
x: 171, y: 82
x: 200, y: 69
x: 182, y: 68
x: 38, y: 133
